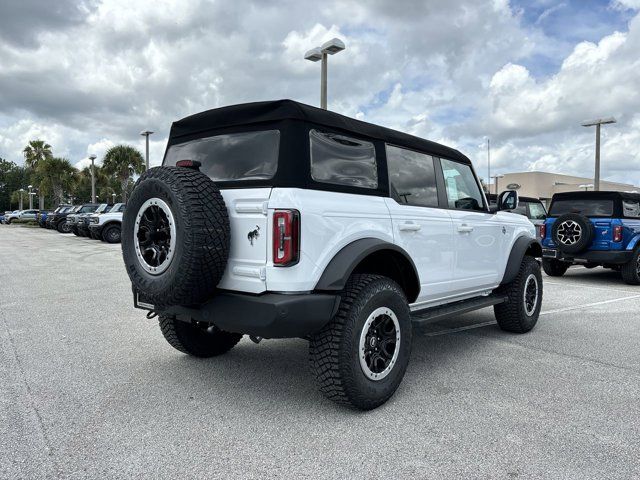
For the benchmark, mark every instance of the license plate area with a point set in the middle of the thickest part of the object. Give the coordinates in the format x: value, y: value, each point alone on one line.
x: 139, y: 301
x: 549, y: 253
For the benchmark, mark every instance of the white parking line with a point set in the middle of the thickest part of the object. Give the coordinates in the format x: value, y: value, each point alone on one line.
x: 557, y: 310
x: 585, y: 305
x: 584, y: 285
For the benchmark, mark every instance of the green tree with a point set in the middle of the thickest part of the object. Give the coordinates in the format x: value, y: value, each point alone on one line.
x: 123, y: 161
x: 12, y: 178
x: 35, y: 153
x: 59, y: 177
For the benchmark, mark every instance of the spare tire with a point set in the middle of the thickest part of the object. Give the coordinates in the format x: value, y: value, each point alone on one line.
x: 572, y: 233
x: 175, y: 236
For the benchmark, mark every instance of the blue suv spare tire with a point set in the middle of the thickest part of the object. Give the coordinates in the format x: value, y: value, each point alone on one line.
x: 572, y: 233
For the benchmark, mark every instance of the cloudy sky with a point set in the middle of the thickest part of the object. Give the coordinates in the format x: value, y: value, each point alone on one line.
x: 87, y: 74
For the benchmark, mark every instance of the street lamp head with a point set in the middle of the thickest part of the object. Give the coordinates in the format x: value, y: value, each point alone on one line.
x: 29, y: 186
x: 92, y: 157
x: 333, y: 46
x: 21, y: 190
x: 598, y: 121
x: 146, y: 133
x: 313, y: 55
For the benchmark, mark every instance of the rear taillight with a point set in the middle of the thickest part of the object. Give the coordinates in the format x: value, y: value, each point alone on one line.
x: 286, y: 237
x: 617, y: 233
x: 543, y: 230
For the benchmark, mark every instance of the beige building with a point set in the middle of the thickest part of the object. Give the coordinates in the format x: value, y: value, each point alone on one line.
x: 543, y: 185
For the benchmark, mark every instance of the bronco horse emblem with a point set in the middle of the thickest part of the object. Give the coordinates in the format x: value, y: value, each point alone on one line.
x: 253, y: 235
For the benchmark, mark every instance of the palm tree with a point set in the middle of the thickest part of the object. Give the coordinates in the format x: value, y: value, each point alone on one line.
x: 58, y: 177
x: 123, y: 161
x: 34, y: 153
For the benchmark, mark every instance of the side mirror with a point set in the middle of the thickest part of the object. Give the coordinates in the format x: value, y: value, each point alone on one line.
x: 508, y: 200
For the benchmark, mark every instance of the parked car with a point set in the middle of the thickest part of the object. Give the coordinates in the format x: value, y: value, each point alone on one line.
x: 593, y: 229
x: 281, y: 220
x: 11, y: 216
x: 83, y: 220
x: 75, y: 219
x: 51, y: 220
x: 41, y: 217
x: 2, y: 218
x: 26, y: 215
x: 107, y: 226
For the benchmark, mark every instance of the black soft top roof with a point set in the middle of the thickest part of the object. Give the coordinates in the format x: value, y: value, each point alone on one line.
x: 604, y: 195
x: 279, y: 110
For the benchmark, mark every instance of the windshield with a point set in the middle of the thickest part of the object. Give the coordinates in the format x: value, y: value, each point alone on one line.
x: 103, y: 208
x: 231, y: 157
x: 88, y: 208
x: 537, y: 211
x: 588, y: 208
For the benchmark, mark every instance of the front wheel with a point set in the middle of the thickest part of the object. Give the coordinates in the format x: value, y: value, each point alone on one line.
x: 64, y: 227
x: 519, y: 314
x: 360, y: 357
x: 197, y: 340
x: 554, y: 268
x: 631, y: 270
x: 111, y: 234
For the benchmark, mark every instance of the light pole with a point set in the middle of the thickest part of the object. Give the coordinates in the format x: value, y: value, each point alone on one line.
x: 598, y: 123
x: 488, y: 162
x: 92, y: 157
x: 30, y: 187
x: 331, y: 47
x: 21, y: 192
x: 113, y: 198
x: 146, y: 134
x: 495, y: 180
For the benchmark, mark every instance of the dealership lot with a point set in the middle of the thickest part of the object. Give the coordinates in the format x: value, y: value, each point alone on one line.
x: 91, y: 389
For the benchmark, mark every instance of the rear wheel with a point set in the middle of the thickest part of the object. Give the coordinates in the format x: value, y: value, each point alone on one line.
x: 519, y: 314
x: 360, y: 357
x: 554, y: 268
x: 111, y: 234
x: 197, y: 339
x: 631, y: 270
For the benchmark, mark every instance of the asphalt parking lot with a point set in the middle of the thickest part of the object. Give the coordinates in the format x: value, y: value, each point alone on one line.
x: 90, y: 389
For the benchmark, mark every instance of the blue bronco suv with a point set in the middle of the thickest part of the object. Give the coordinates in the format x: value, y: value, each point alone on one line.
x: 593, y: 229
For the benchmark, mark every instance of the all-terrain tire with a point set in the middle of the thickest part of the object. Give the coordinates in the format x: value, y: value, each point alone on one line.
x: 631, y: 270
x: 63, y: 227
x: 334, y: 352
x: 516, y: 315
x: 196, y: 340
x: 582, y: 241
x: 554, y: 268
x: 202, y: 236
x: 112, y: 234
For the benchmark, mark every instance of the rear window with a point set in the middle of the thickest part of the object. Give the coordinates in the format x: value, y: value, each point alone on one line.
x: 342, y: 160
x: 588, y: 208
x: 233, y: 156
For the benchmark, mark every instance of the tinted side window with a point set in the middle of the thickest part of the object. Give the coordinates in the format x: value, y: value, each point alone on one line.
x: 463, y: 192
x: 412, y: 177
x: 631, y: 208
x: 342, y: 160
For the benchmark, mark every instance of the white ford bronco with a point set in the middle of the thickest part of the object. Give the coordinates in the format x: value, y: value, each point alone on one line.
x: 107, y: 226
x: 281, y: 220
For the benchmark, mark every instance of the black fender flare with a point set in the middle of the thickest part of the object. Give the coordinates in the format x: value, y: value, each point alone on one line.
x: 342, y: 265
x: 521, y: 247
x: 110, y: 222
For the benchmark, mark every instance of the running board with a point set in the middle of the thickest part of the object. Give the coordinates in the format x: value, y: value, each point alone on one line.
x: 434, y: 314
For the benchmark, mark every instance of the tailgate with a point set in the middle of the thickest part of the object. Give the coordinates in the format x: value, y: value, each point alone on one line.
x: 246, y: 269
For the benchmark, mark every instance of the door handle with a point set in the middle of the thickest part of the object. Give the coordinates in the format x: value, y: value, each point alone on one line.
x: 409, y: 227
x: 465, y: 228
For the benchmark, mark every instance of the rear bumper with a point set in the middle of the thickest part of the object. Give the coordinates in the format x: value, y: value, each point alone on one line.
x: 270, y: 315
x: 610, y: 257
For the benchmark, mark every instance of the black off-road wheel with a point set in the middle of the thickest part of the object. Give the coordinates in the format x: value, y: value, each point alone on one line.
x: 359, y: 358
x: 519, y: 314
x: 197, y: 339
x: 631, y: 270
x: 175, y: 236
x: 111, y: 234
x: 554, y: 268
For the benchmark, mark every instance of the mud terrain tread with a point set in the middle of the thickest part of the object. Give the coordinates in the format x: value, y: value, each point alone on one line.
x: 628, y: 270
x: 510, y: 315
x: 206, y: 236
